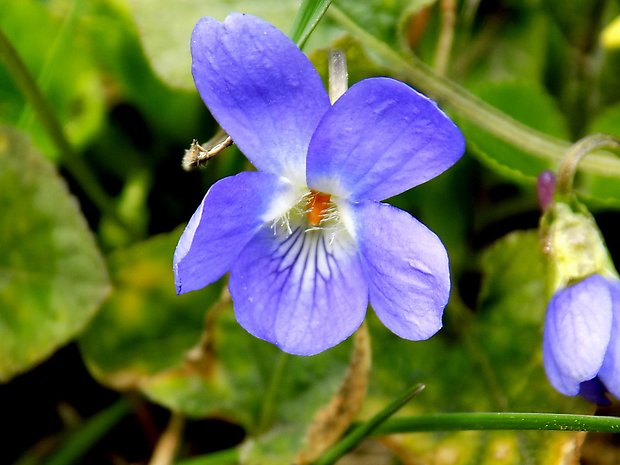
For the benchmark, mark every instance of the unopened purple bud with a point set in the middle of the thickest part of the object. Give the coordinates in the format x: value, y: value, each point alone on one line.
x: 545, y: 188
x: 594, y: 391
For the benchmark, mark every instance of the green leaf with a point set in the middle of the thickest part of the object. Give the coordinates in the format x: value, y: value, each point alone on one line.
x: 52, y: 277
x: 517, y: 100
x: 166, y: 28
x: 58, y: 55
x: 170, y: 112
x: 306, y: 387
x: 505, y: 58
x: 381, y: 18
x: 489, y: 360
x: 144, y: 328
x: 608, y: 122
x: 149, y: 339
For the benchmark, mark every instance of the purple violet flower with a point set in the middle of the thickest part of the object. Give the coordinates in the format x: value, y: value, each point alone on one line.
x: 581, y: 343
x: 306, y: 239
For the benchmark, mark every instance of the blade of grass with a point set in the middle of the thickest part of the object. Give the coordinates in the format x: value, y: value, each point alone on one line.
x: 224, y: 457
x: 308, y: 16
x: 359, y: 433
x: 77, y: 442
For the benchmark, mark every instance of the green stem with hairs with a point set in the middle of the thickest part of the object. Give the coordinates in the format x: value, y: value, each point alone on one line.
x: 271, y: 394
x: 575, y: 155
x: 471, y: 107
x: 500, y: 421
x: 483, y: 421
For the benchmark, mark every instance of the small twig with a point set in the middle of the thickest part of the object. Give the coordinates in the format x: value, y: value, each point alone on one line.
x: 166, y: 448
x: 197, y: 156
x: 202, y: 357
x: 334, y: 418
x: 446, y: 36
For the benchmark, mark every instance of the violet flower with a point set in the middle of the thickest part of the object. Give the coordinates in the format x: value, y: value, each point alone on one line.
x: 581, y: 343
x: 306, y: 239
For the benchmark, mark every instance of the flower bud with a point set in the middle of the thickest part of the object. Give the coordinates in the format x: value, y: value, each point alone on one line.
x: 573, y: 245
x: 581, y: 341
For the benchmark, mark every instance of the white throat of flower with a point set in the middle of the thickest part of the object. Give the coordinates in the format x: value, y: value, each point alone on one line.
x: 312, y: 213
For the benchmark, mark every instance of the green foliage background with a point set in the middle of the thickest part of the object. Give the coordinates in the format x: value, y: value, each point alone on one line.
x: 523, y: 79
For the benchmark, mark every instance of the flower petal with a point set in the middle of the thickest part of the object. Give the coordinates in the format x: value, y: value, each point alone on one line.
x: 304, y: 292
x: 231, y: 213
x: 380, y: 139
x: 610, y: 371
x: 594, y: 391
x: 260, y: 88
x: 407, y: 269
x: 577, y: 332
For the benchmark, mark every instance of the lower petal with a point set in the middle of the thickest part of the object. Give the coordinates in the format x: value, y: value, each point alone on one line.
x: 594, y: 391
x: 303, y: 291
x: 610, y: 371
x: 577, y: 332
x: 232, y: 212
x: 407, y: 269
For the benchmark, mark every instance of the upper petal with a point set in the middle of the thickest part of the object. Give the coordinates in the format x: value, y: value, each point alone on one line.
x: 231, y: 213
x: 380, y: 139
x: 304, y: 291
x: 260, y: 88
x: 577, y: 332
x: 406, y: 266
x: 610, y: 371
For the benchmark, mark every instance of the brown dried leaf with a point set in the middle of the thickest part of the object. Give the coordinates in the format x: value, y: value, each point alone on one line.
x: 332, y: 420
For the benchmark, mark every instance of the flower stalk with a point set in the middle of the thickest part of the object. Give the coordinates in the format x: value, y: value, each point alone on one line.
x: 582, y: 323
x: 471, y: 107
x: 462, y: 421
x: 576, y: 153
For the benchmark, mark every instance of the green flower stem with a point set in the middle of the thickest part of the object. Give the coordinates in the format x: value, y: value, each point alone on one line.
x: 74, y: 164
x: 224, y: 457
x: 500, y: 421
x: 87, y: 434
x: 471, y: 107
x: 271, y: 394
x: 576, y: 153
x: 488, y: 421
x: 362, y: 431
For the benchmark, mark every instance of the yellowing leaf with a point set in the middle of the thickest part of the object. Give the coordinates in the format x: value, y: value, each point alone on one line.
x: 52, y: 276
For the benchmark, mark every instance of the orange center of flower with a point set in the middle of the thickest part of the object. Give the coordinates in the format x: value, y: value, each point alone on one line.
x: 318, y: 203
